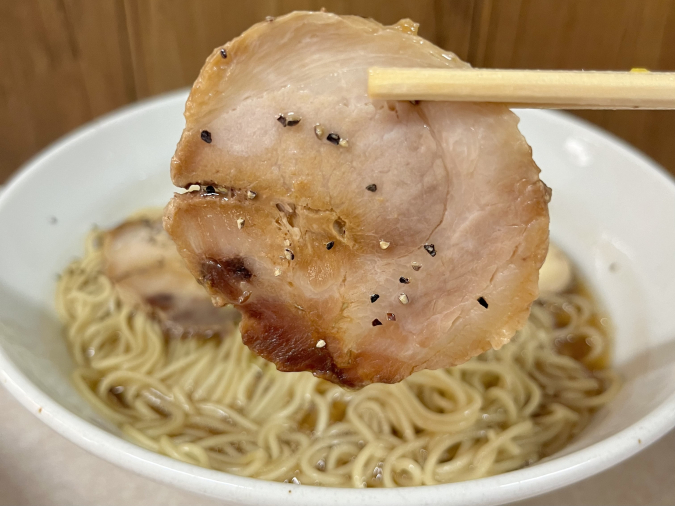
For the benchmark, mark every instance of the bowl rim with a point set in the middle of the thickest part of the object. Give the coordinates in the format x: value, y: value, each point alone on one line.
x: 520, y: 484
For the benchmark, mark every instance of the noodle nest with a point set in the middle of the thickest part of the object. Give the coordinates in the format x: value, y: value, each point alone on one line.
x: 213, y: 403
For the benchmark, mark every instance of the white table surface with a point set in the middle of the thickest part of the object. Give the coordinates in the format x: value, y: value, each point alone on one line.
x: 39, y: 467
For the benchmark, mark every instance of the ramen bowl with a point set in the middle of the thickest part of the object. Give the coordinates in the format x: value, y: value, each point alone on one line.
x: 613, y: 213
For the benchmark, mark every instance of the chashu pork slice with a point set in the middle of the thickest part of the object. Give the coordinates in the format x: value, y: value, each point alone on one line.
x: 142, y: 262
x: 362, y: 240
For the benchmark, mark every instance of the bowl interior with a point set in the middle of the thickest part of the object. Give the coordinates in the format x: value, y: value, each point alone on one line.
x: 612, y: 211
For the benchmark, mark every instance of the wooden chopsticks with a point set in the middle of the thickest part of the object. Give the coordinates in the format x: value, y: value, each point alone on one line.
x: 543, y: 89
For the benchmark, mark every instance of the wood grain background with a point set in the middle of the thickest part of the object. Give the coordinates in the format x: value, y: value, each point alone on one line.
x: 64, y: 62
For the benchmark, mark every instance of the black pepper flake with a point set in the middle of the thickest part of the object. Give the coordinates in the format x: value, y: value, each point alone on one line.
x: 282, y: 119
x: 391, y: 317
x: 404, y: 280
x: 334, y: 138
x: 374, y: 297
x: 206, y: 136
x: 431, y: 249
x: 376, y: 322
x: 330, y: 245
x: 483, y: 302
x: 292, y: 122
x: 371, y: 187
x: 223, y: 53
x: 210, y: 190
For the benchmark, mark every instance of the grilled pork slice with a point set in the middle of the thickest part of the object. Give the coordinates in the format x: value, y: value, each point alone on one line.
x: 142, y: 261
x: 362, y: 240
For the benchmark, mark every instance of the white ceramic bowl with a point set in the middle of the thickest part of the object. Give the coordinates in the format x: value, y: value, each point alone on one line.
x: 613, y: 211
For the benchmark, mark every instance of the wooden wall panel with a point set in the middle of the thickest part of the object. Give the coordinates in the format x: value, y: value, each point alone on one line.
x: 171, y: 38
x: 63, y: 62
x: 99, y: 32
x: 590, y: 35
x: 454, y: 24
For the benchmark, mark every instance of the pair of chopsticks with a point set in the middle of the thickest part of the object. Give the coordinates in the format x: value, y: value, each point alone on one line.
x: 542, y: 89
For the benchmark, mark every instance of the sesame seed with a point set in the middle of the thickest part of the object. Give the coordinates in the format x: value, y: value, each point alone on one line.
x: 376, y: 322
x: 269, y: 19
x: 329, y: 245
x: 371, y: 187
x: 292, y: 119
x: 430, y: 249
x: 320, y: 343
x: 206, y: 136
x: 240, y: 223
x: 483, y: 302
x: 391, y: 317
x: 416, y: 266
x: 287, y: 242
x: 289, y: 254
x: 384, y: 244
x: 334, y: 138
x: 404, y: 280
x: 343, y: 142
x: 374, y: 297
x: 403, y: 298
x: 223, y: 53
x: 251, y: 195
x: 318, y: 131
x: 277, y: 271
x: 210, y: 190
